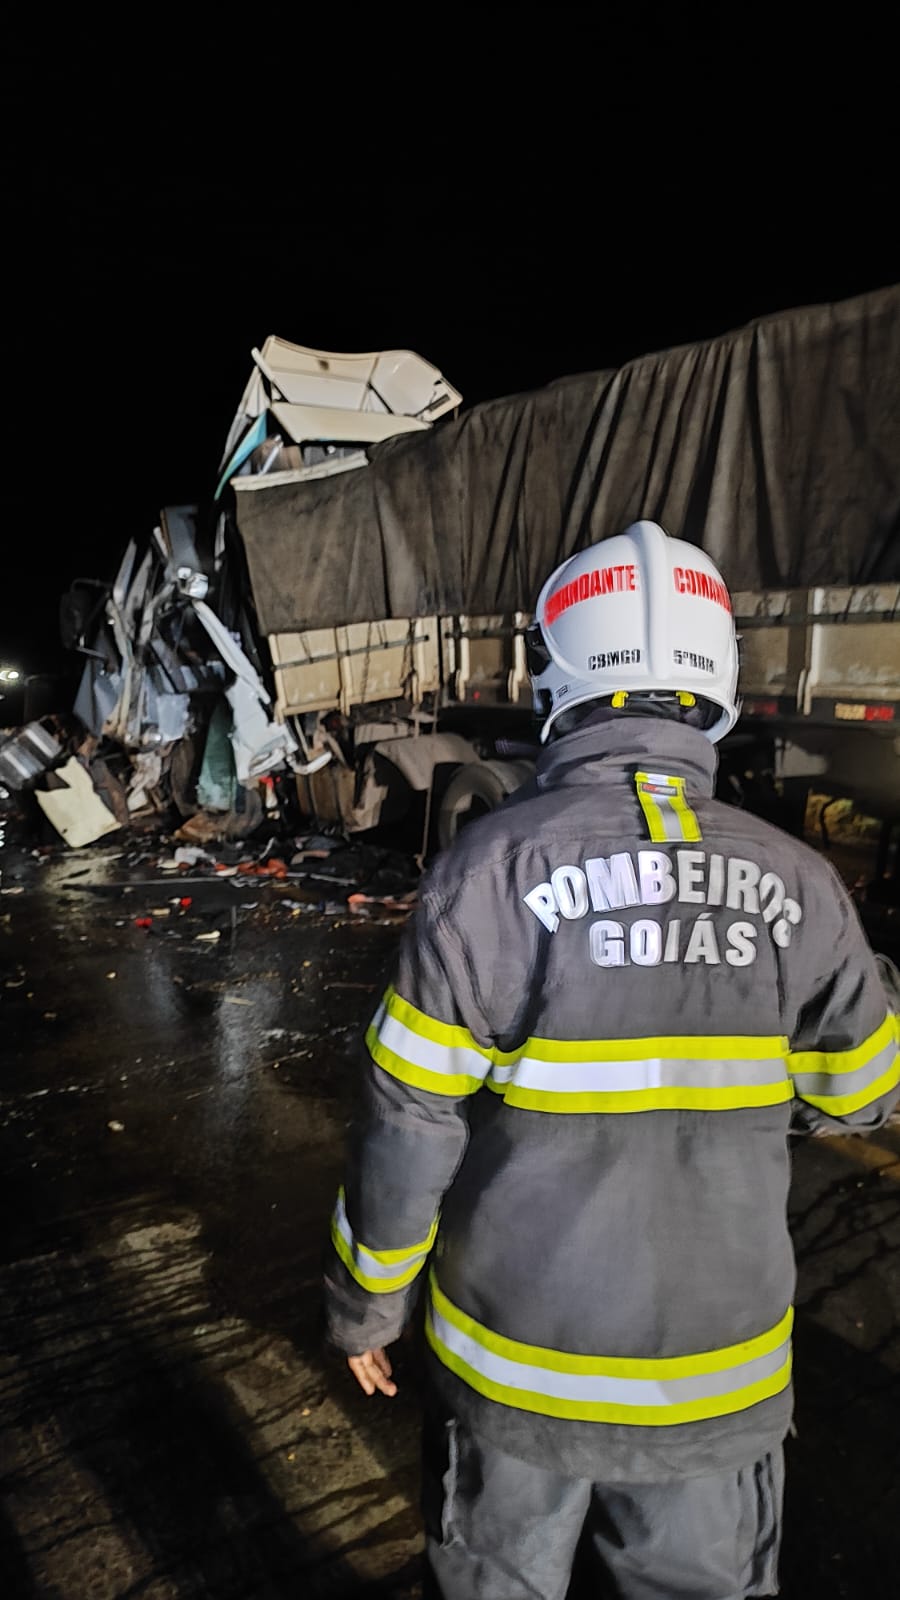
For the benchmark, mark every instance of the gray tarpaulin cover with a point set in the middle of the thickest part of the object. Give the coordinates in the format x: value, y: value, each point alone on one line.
x: 776, y: 448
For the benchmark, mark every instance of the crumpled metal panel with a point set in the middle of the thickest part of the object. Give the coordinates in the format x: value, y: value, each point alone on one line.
x: 26, y: 755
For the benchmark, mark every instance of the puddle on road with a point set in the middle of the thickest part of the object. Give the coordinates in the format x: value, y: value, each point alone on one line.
x: 151, y: 1443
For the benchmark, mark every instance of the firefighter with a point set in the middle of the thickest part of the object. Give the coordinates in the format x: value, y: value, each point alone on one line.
x: 617, y: 996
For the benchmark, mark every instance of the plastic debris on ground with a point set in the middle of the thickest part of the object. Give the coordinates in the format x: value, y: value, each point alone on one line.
x: 361, y: 903
x: 172, y: 873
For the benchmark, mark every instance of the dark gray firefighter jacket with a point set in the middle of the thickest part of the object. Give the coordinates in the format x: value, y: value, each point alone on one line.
x: 573, y: 1122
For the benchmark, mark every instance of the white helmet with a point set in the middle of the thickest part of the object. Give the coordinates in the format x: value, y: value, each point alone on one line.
x: 638, y: 614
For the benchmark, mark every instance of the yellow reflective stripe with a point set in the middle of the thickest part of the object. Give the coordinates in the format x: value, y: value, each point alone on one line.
x: 388, y: 1257
x: 717, y: 1073
x: 374, y: 1285
x: 690, y: 827
x: 442, y: 1042
x: 661, y: 1368
x: 840, y: 1105
x: 668, y: 1097
x: 446, y: 1083
x: 863, y: 1073
x: 609, y: 1411
x: 656, y: 827
x: 356, y: 1256
x: 449, y: 1034
x: 838, y: 1061
x: 706, y: 1047
x: 600, y: 1389
x: 445, y: 1033
x: 425, y: 1053
x: 668, y: 815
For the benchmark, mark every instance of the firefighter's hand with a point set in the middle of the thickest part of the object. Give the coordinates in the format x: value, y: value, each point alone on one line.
x: 372, y: 1370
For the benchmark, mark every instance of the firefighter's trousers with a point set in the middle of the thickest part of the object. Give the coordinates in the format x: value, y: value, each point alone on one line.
x: 498, y: 1528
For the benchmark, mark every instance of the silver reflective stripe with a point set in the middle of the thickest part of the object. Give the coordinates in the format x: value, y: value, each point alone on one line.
x: 596, y: 1389
x: 837, y: 1085
x: 452, y: 1060
x: 654, y: 1072
x: 666, y: 811
x: 367, y: 1260
x: 672, y: 823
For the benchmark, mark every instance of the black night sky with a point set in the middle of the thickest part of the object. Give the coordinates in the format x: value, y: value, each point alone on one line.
x: 514, y: 194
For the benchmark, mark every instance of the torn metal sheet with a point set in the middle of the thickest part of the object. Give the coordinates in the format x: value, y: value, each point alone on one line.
x: 27, y: 754
x: 313, y: 396
x: 98, y: 695
x: 304, y: 423
x: 259, y: 743
x: 178, y: 530
x: 76, y: 810
x: 168, y: 714
x: 147, y: 770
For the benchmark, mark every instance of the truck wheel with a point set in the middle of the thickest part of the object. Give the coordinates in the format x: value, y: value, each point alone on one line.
x: 474, y: 790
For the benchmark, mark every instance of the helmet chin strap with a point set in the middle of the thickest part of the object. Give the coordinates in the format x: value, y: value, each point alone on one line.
x: 680, y: 706
x: 684, y: 697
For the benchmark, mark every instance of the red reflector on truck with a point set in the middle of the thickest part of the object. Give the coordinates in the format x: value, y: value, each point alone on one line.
x: 760, y: 708
x: 854, y: 711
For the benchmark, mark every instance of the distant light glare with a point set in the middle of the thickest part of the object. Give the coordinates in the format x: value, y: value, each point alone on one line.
x: 9, y: 675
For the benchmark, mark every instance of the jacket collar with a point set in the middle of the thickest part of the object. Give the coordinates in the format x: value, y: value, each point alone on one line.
x: 607, y: 750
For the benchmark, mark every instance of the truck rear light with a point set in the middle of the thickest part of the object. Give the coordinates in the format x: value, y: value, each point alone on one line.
x: 857, y: 711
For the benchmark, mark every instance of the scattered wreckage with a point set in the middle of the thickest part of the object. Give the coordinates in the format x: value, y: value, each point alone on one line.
x: 340, y: 638
x: 175, y: 669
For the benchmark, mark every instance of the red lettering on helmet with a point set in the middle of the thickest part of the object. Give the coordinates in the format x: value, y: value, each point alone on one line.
x: 689, y: 580
x: 600, y: 580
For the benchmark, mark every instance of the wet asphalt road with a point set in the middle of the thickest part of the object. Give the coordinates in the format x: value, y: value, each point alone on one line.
x: 172, y: 1117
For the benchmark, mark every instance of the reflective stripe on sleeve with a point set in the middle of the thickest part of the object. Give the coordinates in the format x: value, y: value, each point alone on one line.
x: 717, y: 1073
x: 652, y: 1393
x: 666, y: 811
x: 379, y: 1271
x: 423, y: 1052
x: 842, y: 1081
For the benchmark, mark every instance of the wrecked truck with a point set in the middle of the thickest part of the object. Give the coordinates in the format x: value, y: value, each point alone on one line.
x: 178, y: 676
x: 347, y: 621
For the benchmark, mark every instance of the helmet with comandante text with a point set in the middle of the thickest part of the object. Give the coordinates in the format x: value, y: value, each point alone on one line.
x: 641, y: 621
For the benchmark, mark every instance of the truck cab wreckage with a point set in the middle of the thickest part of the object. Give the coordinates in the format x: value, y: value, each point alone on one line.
x: 348, y: 616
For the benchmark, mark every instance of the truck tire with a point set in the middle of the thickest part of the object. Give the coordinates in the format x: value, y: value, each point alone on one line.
x: 474, y: 790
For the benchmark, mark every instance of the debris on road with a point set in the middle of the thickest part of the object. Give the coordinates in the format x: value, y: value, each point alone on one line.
x: 72, y: 804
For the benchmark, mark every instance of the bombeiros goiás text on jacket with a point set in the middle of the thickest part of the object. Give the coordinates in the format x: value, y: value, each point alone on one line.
x: 652, y: 877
